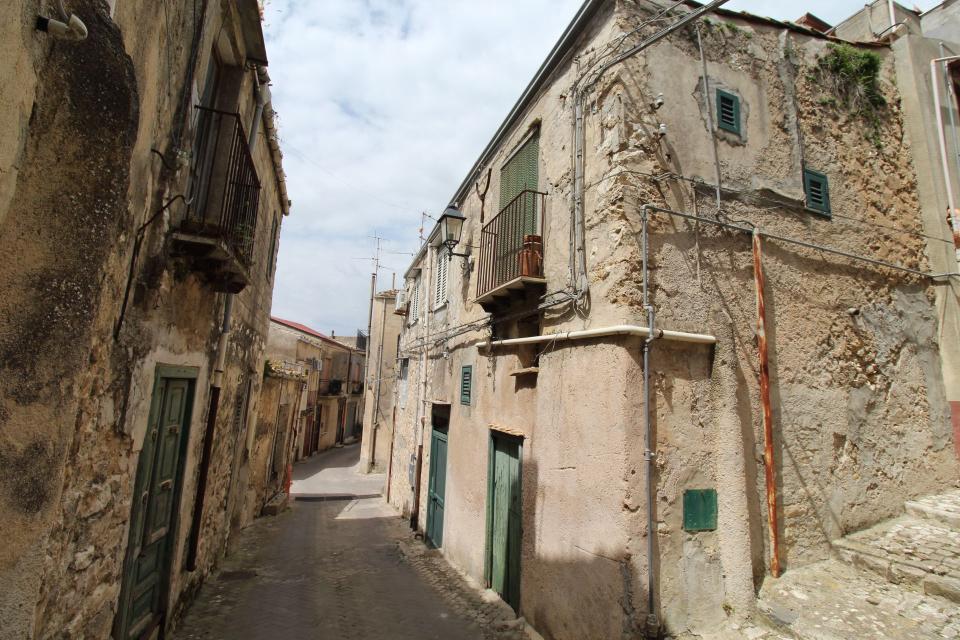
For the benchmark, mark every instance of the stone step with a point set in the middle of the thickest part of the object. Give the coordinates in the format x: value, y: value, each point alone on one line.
x: 911, y: 551
x: 943, y: 509
x: 832, y: 600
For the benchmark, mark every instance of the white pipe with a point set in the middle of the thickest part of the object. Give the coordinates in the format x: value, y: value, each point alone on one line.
x: 893, y: 16
x: 72, y: 29
x: 617, y: 330
x: 942, y: 139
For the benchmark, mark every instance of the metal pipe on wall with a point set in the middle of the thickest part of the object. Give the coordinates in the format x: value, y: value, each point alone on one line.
x: 649, y: 456
x: 944, y: 160
x: 951, y: 92
x: 764, y: 374
x: 709, y: 106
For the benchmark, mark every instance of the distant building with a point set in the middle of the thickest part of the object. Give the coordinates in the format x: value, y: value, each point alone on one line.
x: 381, y: 382
x: 328, y: 413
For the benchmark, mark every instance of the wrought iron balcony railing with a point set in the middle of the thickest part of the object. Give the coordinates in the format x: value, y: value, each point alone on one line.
x: 225, y: 189
x: 511, y: 245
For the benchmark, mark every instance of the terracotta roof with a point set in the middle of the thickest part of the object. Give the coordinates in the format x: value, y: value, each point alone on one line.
x: 307, y: 330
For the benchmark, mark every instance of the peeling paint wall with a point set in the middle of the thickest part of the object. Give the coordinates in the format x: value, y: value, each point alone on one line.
x: 860, y: 415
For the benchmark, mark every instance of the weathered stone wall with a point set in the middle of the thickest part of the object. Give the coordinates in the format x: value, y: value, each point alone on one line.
x: 860, y: 416
x: 85, y: 117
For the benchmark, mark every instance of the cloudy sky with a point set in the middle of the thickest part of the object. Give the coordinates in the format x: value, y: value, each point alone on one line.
x: 384, y: 105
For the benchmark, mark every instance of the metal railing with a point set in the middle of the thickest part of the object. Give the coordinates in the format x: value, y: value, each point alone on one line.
x: 225, y: 188
x: 502, y: 254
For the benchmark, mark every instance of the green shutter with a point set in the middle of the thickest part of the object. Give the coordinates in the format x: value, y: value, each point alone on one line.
x: 466, y: 384
x: 817, y: 189
x: 700, y: 510
x: 520, y: 172
x: 728, y: 111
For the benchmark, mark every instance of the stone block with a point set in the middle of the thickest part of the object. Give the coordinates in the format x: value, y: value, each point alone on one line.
x: 944, y: 587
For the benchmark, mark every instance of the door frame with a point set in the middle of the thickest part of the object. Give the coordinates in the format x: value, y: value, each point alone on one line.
x: 488, y: 543
x: 162, y: 372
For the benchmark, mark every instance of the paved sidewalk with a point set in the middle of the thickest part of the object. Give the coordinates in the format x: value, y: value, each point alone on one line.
x: 328, y: 568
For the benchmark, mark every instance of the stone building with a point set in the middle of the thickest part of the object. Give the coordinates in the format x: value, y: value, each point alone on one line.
x: 274, y: 443
x: 378, y: 401
x: 688, y: 333
x: 919, y: 44
x: 141, y: 197
x: 328, y: 412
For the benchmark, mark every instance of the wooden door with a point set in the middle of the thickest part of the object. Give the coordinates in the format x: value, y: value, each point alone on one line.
x: 437, y: 487
x: 155, y: 505
x: 504, y: 518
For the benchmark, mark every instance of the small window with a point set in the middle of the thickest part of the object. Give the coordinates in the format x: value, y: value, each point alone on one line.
x: 466, y: 384
x: 728, y: 111
x: 817, y: 189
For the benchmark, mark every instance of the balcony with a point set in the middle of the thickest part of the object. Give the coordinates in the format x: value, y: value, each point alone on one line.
x: 217, y: 232
x: 511, y: 254
x: 332, y: 387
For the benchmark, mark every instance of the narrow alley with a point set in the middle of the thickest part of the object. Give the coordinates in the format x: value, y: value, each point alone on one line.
x: 339, y: 563
x: 510, y: 320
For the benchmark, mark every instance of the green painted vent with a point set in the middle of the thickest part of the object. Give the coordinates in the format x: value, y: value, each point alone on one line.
x: 700, y: 510
x: 466, y: 384
x: 817, y: 189
x: 728, y: 111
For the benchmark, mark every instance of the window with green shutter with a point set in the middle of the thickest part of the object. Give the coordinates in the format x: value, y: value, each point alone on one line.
x: 817, y: 189
x: 520, y: 174
x: 466, y: 384
x: 728, y: 111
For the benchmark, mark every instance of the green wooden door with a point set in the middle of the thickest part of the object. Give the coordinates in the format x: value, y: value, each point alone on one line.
x: 504, y: 519
x: 156, y: 495
x: 437, y: 487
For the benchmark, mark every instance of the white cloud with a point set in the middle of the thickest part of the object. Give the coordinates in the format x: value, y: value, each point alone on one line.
x: 384, y: 105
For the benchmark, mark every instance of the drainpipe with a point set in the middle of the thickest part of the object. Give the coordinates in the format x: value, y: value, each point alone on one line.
x: 942, y: 139
x: 709, y: 106
x: 893, y: 16
x: 948, y: 84
x: 768, y: 461
x: 649, y: 456
x: 603, y: 332
x: 263, y: 97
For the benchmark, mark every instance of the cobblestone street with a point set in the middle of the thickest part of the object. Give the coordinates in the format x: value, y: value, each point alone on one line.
x: 338, y: 567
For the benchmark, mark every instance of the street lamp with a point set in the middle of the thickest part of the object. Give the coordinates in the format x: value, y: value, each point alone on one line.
x: 451, y: 227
